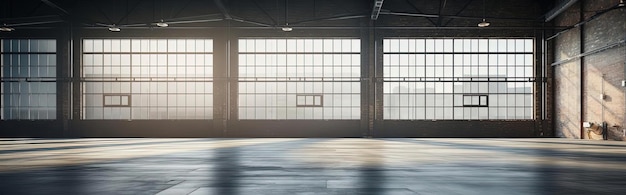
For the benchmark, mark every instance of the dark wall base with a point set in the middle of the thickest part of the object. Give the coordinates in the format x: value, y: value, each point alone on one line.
x: 50, y: 129
x: 284, y: 128
x: 456, y: 129
x: 259, y: 128
x: 181, y: 128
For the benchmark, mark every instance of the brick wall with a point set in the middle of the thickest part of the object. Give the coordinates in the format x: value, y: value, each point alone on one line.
x: 601, y: 73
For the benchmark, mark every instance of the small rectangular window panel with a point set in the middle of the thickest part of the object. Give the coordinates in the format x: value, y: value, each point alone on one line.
x: 147, y: 79
x: 116, y: 100
x: 309, y: 100
x: 28, y: 79
x: 458, y: 79
x: 475, y: 101
x: 299, y: 79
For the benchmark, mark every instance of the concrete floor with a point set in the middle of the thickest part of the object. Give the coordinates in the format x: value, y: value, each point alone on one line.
x: 311, y: 166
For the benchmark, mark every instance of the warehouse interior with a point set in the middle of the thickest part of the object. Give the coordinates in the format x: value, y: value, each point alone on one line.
x: 365, y: 91
x: 334, y: 69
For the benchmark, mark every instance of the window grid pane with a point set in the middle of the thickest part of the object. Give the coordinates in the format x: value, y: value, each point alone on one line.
x: 33, y: 60
x: 426, y: 79
x: 311, y: 79
x: 163, y: 78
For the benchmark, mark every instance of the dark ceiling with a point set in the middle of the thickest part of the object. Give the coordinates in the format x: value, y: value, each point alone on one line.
x: 272, y: 13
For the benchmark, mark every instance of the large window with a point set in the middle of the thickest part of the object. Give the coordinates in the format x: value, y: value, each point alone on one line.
x: 299, y: 78
x: 147, y: 79
x: 458, y: 79
x: 28, y: 73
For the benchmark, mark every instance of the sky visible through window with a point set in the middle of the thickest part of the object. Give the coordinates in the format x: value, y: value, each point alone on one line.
x: 162, y: 78
x: 274, y: 73
x: 278, y: 79
x: 427, y: 79
x: 28, y: 71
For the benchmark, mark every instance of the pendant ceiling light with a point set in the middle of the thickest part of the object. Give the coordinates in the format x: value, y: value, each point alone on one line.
x: 114, y: 28
x: 286, y: 28
x: 6, y: 28
x: 162, y: 24
x: 484, y: 23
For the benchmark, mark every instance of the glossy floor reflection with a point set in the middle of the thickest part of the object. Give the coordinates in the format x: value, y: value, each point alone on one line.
x: 311, y: 166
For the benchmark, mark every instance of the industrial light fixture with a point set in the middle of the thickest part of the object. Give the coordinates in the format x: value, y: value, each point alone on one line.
x: 483, y: 23
x: 6, y: 28
x: 114, y: 28
x: 286, y: 28
x: 162, y: 24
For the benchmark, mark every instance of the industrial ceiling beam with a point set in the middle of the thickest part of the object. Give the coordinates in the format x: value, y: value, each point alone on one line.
x: 340, y: 17
x: 228, y: 16
x: 448, y: 16
x: 558, y: 9
x: 242, y: 20
x: 179, y: 10
x: 420, y: 11
x: 378, y: 4
x: 222, y: 8
x: 264, y: 11
x: 34, y: 23
x: 442, y: 5
x: 129, y: 12
x: 55, y: 6
x: 459, y: 12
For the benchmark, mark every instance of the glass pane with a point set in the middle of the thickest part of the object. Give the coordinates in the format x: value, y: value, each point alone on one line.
x: 480, y: 65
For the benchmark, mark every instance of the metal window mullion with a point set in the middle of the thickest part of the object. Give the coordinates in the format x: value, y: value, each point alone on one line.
x: 488, y: 76
x: 514, y: 66
x: 453, y: 76
x: 425, y: 75
x: 265, y: 92
x: 130, y: 67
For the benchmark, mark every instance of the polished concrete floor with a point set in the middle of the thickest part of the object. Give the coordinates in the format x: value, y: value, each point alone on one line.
x: 311, y: 166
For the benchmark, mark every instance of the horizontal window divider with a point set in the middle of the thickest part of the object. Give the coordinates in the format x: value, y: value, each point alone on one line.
x: 299, y: 79
x: 291, y: 106
x: 29, y: 79
x: 480, y: 120
x: 283, y: 81
x: 461, y: 66
x: 291, y: 94
x: 307, y: 106
x: 303, y: 66
x: 299, y: 119
x: 453, y: 52
x: 147, y: 53
x: 146, y: 79
x: 459, y: 79
x: 28, y: 120
x: 2, y: 53
x: 16, y: 93
x: 456, y: 106
x: 312, y: 53
x: 153, y: 119
x: 155, y: 93
x: 144, y: 66
x: 452, y: 93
